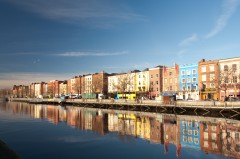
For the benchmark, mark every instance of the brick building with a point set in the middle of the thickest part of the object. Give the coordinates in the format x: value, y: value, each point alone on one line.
x: 208, y: 79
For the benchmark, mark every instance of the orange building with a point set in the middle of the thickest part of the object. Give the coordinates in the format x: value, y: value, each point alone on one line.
x: 208, y: 82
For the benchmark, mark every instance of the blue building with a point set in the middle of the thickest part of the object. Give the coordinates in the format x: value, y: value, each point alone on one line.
x: 190, y: 133
x: 188, y: 82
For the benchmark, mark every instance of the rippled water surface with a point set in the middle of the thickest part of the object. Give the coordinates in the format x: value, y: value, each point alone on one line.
x: 47, y: 131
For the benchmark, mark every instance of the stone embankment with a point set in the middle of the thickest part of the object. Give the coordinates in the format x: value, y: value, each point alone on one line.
x: 181, y: 103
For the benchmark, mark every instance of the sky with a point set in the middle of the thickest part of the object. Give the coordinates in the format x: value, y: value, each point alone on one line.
x: 42, y: 40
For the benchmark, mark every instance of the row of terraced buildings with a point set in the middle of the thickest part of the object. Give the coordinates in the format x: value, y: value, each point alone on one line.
x: 205, y: 80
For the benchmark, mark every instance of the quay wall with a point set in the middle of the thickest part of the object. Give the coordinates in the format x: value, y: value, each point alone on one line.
x: 139, y: 102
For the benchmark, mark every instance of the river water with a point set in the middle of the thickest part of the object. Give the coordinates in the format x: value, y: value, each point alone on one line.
x: 48, y: 131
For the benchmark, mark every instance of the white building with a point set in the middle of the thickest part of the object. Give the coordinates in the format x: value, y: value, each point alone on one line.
x: 229, y: 75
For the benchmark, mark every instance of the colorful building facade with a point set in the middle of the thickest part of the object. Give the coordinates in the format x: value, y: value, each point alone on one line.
x: 155, y: 81
x: 188, y: 82
x: 229, y: 78
x: 171, y: 80
x: 208, y: 79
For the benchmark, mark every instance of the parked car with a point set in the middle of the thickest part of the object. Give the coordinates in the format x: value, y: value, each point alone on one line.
x: 75, y: 96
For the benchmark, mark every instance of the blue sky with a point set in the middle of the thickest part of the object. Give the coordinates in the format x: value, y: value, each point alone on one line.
x: 57, y: 39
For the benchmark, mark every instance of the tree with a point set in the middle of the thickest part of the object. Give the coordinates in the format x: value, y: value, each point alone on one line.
x: 228, y: 80
x: 77, y: 85
x: 125, y: 83
x: 97, y: 84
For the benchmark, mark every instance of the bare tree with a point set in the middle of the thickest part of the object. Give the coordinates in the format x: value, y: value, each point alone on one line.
x: 228, y: 80
x: 97, y: 84
x: 77, y: 86
x: 125, y: 82
x: 51, y: 89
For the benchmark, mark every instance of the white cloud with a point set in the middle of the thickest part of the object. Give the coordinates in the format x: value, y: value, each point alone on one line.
x: 188, y: 40
x: 100, y: 13
x: 80, y: 54
x: 229, y: 6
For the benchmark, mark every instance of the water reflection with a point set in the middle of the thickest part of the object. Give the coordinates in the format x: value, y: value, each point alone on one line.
x: 211, y: 135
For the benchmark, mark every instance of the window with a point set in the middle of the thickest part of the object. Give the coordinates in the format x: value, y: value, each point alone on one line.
x: 195, y: 124
x: 205, y: 144
x: 195, y: 133
x: 212, y: 77
x: 170, y: 73
x: 184, y: 131
x: 205, y: 127
x: 214, y: 136
x: 183, y: 88
x: 234, y: 79
x: 151, y: 83
x: 157, y: 89
x: 183, y: 72
x: 234, y: 67
x: 190, y: 123
x: 226, y: 80
x: 194, y: 87
x: 170, y: 88
x: 184, y: 138
x: 151, y: 76
x: 183, y: 80
x: 189, y: 132
x: 165, y: 80
x: 194, y: 79
x: 212, y: 85
x: 225, y: 68
x: 203, y: 77
x: 183, y: 123
x: 176, y: 80
x: 214, y: 128
x: 188, y: 72
x: 190, y: 139
x: 205, y: 135
x: 237, y: 135
x: 211, y: 68
x: 237, y: 148
x: 156, y: 82
x: 196, y: 141
x: 228, y: 134
x: 204, y: 69
x: 156, y: 75
x: 139, y: 83
x: 189, y: 88
x: 188, y: 80
x: 194, y: 72
x: 214, y: 145
x: 170, y: 81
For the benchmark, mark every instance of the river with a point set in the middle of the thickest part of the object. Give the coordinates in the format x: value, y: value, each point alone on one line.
x: 50, y: 131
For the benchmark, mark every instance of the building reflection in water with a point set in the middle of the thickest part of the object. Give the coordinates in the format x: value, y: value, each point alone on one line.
x: 211, y: 135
